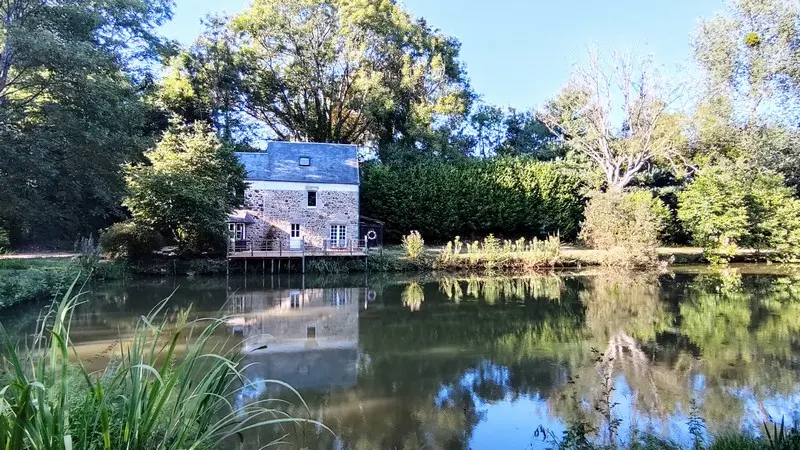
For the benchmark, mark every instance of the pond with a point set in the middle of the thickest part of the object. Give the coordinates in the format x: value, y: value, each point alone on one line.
x: 481, y: 362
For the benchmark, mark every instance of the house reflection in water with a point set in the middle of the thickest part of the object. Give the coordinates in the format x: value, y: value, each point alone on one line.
x: 305, y: 337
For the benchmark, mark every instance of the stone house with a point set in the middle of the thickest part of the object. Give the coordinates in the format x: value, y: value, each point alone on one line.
x: 299, y: 194
x: 307, y: 337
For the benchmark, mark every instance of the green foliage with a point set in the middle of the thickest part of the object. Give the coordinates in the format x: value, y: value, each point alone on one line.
x: 201, y: 84
x: 748, y: 54
x: 189, y: 187
x: 158, y: 394
x: 347, y: 71
x: 494, y: 131
x: 713, y: 207
x: 130, y: 240
x: 782, y: 438
x: 73, y: 76
x: 413, y: 244
x: 505, y: 196
x: 626, y: 225
x: 731, y: 205
x: 27, y: 284
x: 732, y: 441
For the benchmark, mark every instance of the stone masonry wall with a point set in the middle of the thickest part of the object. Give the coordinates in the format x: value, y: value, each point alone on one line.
x: 276, y: 210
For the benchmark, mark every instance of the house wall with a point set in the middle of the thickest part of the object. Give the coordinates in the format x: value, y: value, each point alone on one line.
x: 278, y: 204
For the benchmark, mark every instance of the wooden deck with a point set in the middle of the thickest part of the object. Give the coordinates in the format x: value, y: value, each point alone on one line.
x: 283, y: 248
x: 308, y: 253
x: 278, y: 250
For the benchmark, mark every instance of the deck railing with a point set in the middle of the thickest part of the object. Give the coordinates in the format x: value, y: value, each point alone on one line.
x: 329, y: 246
x: 339, y: 246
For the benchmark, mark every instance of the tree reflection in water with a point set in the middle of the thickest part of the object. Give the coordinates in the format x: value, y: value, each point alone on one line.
x: 436, y: 362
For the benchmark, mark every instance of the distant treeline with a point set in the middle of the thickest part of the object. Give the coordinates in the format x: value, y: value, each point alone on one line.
x: 510, y: 197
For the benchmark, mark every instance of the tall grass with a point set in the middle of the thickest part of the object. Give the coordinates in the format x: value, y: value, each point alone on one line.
x: 493, y: 254
x: 170, y: 388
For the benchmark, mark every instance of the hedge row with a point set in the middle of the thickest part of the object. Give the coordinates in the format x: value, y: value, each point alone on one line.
x: 509, y: 197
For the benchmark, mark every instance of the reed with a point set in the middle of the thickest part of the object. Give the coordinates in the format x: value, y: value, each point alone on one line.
x: 171, y: 387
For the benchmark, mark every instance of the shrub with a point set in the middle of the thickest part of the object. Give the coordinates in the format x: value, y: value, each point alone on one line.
x: 33, y: 283
x: 627, y: 226
x: 413, y: 244
x: 713, y: 208
x: 729, y: 206
x: 510, y: 196
x: 130, y: 240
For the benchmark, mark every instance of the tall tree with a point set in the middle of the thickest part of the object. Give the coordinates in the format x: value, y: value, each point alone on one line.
x: 751, y: 53
x: 347, y: 71
x: 493, y: 131
x: 622, y: 139
x: 71, y: 109
x: 202, y: 83
x: 488, y: 126
x: 527, y: 135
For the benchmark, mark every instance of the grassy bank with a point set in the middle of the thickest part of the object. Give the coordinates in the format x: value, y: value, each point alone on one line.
x: 23, y: 280
x: 37, y: 279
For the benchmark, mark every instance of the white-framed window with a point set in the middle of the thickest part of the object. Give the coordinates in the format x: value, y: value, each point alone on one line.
x: 338, y: 235
x: 294, y: 299
x: 295, y: 230
x: 338, y: 298
x: 237, y: 231
x: 312, y: 199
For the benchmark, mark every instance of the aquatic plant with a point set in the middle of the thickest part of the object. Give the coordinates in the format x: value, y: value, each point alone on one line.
x: 170, y: 388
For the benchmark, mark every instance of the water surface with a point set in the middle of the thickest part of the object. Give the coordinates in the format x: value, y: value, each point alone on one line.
x: 481, y: 362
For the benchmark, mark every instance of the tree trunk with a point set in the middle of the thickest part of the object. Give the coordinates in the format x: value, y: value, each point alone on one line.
x: 5, y: 67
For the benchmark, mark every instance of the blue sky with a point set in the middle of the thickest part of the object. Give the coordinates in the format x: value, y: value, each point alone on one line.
x: 519, y: 52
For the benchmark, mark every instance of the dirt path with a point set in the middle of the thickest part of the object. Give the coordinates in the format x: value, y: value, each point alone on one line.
x: 39, y: 255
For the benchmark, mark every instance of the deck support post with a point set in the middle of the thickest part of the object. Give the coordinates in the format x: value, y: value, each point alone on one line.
x: 271, y: 266
x: 227, y: 266
x: 245, y: 267
x: 263, y: 267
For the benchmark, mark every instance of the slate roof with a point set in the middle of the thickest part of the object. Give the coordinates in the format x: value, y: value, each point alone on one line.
x: 241, y: 216
x: 329, y: 163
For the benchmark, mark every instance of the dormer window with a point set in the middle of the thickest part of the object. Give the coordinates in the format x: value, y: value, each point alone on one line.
x: 305, y: 161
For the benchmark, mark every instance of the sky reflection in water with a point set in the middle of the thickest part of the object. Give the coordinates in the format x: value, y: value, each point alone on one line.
x: 481, y: 362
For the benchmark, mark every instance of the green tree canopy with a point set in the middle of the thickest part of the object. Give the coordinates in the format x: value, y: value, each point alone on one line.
x: 493, y: 131
x: 188, y: 187
x: 347, y: 71
x: 750, y: 54
x: 731, y: 204
x: 72, y: 75
x: 202, y: 83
